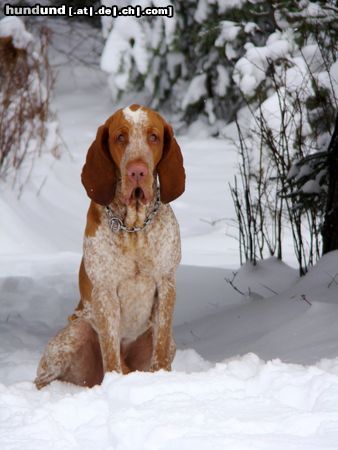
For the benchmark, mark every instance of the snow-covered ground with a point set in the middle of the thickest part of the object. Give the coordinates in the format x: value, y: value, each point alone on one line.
x: 256, y: 367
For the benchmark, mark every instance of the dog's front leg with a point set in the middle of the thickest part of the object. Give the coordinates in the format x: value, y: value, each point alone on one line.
x: 163, y: 343
x: 106, y: 312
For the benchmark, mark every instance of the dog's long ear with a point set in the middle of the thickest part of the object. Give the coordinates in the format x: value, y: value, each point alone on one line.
x: 99, y: 172
x: 170, y: 168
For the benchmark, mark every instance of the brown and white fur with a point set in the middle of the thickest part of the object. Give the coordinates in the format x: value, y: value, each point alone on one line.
x: 123, y: 321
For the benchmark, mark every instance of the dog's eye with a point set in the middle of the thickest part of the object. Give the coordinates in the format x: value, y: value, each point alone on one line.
x: 121, y: 138
x: 153, y: 137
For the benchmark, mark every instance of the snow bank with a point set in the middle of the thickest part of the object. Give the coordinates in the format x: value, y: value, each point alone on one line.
x: 200, y: 404
x: 272, y: 313
x: 232, y: 405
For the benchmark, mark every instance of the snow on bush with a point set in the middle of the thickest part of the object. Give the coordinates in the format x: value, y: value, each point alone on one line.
x: 291, y: 87
x: 162, y: 57
x: 131, y: 42
x: 27, y: 126
x: 250, y: 70
x: 295, y: 66
x: 195, y: 89
x: 184, y: 63
x: 13, y: 27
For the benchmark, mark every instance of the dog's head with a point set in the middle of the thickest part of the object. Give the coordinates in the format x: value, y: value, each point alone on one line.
x: 133, y: 146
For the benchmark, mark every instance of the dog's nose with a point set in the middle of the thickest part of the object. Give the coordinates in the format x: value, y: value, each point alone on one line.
x: 136, y: 171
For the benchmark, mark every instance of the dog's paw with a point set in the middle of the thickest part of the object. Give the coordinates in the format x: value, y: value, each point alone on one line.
x: 45, y: 376
x: 50, y: 369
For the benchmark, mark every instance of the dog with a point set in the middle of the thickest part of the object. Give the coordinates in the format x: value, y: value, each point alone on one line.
x: 123, y: 322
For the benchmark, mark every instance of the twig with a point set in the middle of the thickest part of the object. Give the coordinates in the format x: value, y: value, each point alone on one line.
x: 333, y: 279
x: 303, y: 297
x: 269, y: 288
x: 231, y: 282
x: 213, y: 222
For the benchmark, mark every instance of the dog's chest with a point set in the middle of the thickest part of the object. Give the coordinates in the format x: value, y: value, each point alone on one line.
x: 130, y: 266
x: 112, y: 257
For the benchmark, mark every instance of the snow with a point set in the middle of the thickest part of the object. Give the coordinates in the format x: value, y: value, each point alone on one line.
x: 201, y: 11
x: 304, y: 171
x: 230, y: 51
x: 334, y: 78
x: 223, y: 80
x: 162, y: 411
x: 223, y: 5
x: 314, y: 10
x: 117, y: 44
x: 250, y: 27
x: 311, y: 187
x: 195, y: 91
x: 229, y: 32
x: 256, y: 366
x: 219, y: 400
x: 250, y: 70
x: 14, y: 27
x: 129, y: 41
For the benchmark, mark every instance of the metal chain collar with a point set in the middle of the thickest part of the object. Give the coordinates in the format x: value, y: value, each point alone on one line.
x: 116, y: 224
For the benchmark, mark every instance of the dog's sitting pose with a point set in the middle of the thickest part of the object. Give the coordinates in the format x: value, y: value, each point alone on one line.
x: 131, y: 250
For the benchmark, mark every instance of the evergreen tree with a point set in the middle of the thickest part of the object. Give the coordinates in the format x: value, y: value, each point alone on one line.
x: 191, y: 64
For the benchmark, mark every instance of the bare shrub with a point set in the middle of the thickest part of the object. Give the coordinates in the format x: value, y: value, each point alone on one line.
x: 281, y: 185
x: 258, y: 206
x: 26, y: 121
